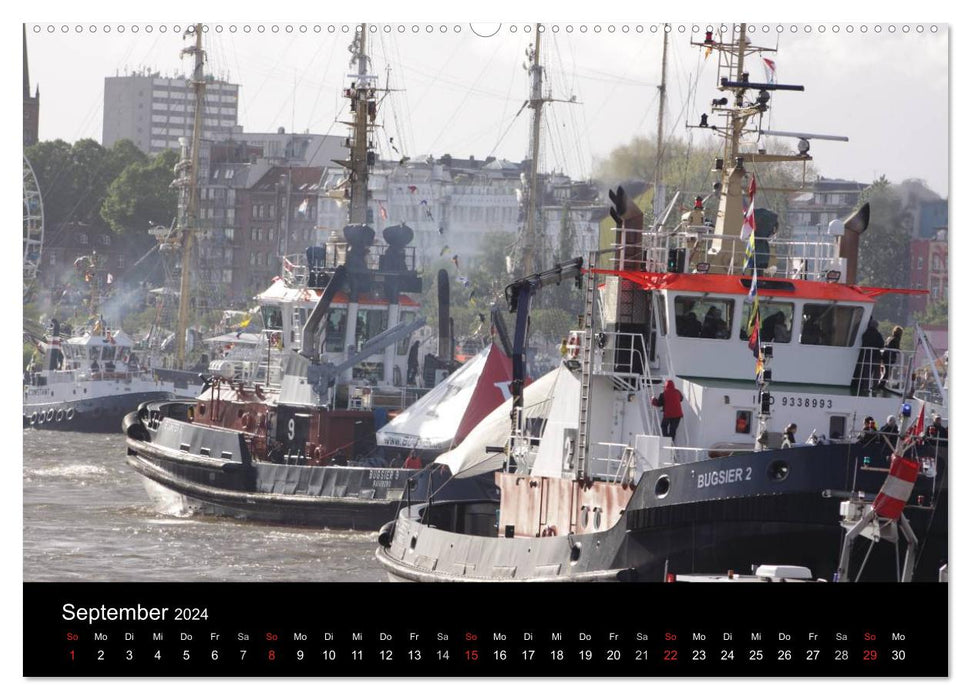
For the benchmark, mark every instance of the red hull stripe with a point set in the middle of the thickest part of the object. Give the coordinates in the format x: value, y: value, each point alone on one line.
x: 732, y: 284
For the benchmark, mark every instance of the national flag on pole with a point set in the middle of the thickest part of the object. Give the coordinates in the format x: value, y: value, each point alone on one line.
x: 748, y: 228
x: 769, y: 65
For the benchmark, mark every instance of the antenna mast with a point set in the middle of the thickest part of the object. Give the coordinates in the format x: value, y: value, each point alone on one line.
x: 364, y: 107
x: 187, y: 177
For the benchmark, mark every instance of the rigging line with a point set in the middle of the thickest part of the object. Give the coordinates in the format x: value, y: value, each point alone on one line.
x: 297, y: 83
x: 504, y: 133
x: 239, y: 76
x: 505, y: 106
x: 633, y: 62
x: 402, y: 151
x: 465, y: 99
x: 408, y: 136
x: 581, y: 152
x: 559, y: 77
x: 437, y: 77
x: 272, y: 73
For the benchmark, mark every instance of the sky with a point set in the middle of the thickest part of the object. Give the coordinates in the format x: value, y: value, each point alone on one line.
x: 459, y: 91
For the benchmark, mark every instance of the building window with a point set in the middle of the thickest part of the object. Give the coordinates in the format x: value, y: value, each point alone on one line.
x: 83, y: 239
x: 920, y: 263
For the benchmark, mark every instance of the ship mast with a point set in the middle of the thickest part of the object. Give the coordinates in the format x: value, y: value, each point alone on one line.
x: 536, y: 104
x: 363, y: 105
x: 662, y: 93
x: 187, y: 171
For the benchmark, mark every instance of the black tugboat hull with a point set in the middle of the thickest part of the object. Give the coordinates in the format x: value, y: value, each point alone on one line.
x: 96, y: 415
x: 689, y: 519
x: 210, y: 471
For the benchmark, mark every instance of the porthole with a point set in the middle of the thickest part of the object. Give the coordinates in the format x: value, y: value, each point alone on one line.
x: 596, y: 519
x: 585, y: 518
x: 778, y: 470
x: 662, y: 486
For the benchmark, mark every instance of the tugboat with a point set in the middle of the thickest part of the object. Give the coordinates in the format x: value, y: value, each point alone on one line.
x: 89, y: 382
x: 596, y: 486
x: 294, y: 453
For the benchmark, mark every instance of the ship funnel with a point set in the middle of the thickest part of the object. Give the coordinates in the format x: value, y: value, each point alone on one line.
x: 444, y: 309
x: 630, y: 223
x: 853, y: 227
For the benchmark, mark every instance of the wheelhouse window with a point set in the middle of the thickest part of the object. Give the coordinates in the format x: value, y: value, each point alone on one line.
x: 335, y: 330
x: 829, y: 324
x: 703, y: 317
x: 775, y: 318
x: 272, y: 317
x: 370, y: 322
x: 404, y: 345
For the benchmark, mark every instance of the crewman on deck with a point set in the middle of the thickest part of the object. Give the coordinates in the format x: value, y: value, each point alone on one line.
x: 670, y: 401
x: 789, y: 436
x: 413, y: 461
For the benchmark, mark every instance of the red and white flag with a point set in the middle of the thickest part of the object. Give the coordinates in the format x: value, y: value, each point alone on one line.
x: 769, y: 65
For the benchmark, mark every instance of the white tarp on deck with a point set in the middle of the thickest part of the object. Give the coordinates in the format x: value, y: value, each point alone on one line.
x: 446, y: 414
x: 470, y: 457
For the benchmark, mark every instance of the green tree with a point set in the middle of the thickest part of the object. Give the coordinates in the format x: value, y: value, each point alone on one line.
x: 74, y: 179
x: 935, y: 314
x: 687, y: 167
x: 885, y: 249
x: 141, y: 193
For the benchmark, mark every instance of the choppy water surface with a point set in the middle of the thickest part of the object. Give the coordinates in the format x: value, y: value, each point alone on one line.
x: 87, y: 517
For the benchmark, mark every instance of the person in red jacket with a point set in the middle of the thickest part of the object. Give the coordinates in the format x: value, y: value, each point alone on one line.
x: 670, y: 401
x: 413, y: 461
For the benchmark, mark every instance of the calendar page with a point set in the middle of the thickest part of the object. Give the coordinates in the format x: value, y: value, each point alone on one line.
x: 642, y: 327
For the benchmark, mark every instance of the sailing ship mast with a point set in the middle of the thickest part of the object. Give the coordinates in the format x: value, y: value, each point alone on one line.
x: 536, y: 104
x: 662, y: 90
x: 187, y: 171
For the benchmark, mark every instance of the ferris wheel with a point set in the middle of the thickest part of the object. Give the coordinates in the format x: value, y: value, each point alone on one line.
x: 33, y: 226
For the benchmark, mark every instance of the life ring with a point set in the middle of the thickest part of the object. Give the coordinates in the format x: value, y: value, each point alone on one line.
x: 40, y: 418
x: 318, y: 454
x: 33, y: 418
x: 247, y: 421
x: 69, y: 414
x: 59, y: 416
x: 50, y: 415
x: 549, y: 531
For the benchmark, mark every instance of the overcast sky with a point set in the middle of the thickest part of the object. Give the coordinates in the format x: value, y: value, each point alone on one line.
x: 887, y: 92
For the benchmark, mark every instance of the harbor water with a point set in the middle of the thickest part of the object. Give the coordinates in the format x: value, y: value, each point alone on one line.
x: 87, y: 517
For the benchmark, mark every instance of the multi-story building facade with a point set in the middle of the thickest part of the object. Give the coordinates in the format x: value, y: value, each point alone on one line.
x: 154, y: 112
x: 453, y: 203
x: 810, y: 213
x: 928, y: 270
